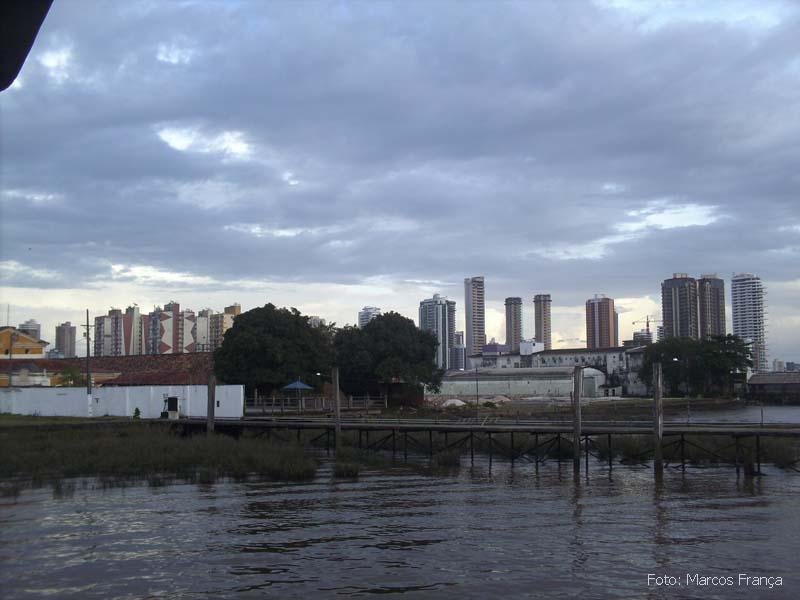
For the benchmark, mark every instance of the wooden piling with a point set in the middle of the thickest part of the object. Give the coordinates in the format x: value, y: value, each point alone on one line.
x: 758, y: 454
x: 336, y: 407
x: 577, y: 390
x: 658, y: 419
x: 211, y: 404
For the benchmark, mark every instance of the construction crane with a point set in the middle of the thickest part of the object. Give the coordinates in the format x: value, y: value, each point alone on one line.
x: 646, y: 321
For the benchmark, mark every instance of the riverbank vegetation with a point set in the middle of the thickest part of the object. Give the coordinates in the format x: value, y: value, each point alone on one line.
x: 145, y: 452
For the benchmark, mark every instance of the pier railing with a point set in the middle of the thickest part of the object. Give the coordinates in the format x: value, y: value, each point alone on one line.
x: 293, y: 404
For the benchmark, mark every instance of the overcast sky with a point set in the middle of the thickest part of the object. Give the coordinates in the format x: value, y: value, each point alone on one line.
x: 333, y: 155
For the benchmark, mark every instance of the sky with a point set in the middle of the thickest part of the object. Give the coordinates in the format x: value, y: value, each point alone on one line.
x: 333, y: 155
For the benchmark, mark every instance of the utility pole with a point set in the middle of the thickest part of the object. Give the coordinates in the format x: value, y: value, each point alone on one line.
x: 12, y: 338
x: 477, y: 414
x: 88, y: 370
x: 577, y: 391
x: 337, y: 410
x: 658, y: 418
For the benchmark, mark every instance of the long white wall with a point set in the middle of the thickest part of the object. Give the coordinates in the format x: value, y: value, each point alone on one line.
x: 121, y: 401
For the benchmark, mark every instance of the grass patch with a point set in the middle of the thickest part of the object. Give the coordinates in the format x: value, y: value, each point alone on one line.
x: 154, y: 454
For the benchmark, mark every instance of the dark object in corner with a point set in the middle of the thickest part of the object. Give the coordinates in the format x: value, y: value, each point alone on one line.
x: 20, y: 21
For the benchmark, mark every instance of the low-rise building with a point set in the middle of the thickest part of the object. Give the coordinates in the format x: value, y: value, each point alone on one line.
x: 485, y: 384
x: 17, y: 344
x: 777, y: 388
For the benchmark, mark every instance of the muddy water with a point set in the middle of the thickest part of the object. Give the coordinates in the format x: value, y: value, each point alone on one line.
x: 514, y: 532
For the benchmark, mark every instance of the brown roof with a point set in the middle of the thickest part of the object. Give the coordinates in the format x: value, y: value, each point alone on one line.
x: 160, y: 369
x: 774, y: 378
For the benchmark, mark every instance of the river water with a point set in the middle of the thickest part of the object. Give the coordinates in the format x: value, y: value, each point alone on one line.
x: 506, y: 531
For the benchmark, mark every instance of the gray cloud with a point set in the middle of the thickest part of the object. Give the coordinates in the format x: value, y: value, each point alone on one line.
x: 329, y: 143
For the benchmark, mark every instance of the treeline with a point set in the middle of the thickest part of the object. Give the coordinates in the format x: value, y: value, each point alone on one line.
x: 269, y: 347
x: 698, y: 367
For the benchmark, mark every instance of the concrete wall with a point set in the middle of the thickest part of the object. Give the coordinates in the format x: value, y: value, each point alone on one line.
x: 121, y: 401
x: 518, y: 387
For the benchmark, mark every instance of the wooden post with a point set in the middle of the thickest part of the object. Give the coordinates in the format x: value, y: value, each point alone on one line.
x: 658, y: 419
x: 211, y: 405
x: 577, y: 390
x: 758, y: 454
x: 471, y: 448
x: 337, y: 414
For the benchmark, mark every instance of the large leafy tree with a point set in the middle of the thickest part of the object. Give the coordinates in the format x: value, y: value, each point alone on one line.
x: 269, y: 347
x: 389, y: 349
x: 698, y: 366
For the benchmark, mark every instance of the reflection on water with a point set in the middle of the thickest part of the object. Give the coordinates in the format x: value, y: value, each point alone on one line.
x: 750, y: 413
x: 521, y: 531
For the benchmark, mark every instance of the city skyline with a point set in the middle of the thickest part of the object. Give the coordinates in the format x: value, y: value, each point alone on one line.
x: 181, y: 189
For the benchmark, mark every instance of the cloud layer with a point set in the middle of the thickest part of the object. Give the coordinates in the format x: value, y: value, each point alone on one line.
x: 331, y: 155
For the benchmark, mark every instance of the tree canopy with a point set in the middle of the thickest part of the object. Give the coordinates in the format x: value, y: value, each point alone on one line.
x: 389, y: 349
x: 698, y: 366
x: 269, y: 347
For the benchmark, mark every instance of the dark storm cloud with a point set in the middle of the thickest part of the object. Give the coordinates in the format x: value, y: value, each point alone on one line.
x: 421, y: 141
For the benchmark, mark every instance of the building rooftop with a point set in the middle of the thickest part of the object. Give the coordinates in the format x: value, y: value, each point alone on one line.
x: 774, y: 378
x: 192, y: 368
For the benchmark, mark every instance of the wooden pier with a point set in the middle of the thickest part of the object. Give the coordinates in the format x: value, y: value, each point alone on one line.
x: 528, y: 440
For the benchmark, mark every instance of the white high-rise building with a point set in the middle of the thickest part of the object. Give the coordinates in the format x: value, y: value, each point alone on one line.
x: 438, y: 315
x: 475, y: 314
x: 366, y: 314
x: 749, y: 320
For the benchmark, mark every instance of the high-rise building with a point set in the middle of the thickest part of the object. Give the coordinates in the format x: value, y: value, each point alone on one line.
x: 133, y: 334
x: 513, y: 323
x: 749, y: 322
x: 219, y: 323
x: 32, y: 328
x: 642, y: 338
x: 65, y: 339
x: 202, y: 341
x: 234, y: 309
x: 438, y: 315
x: 600, y: 323
x: 108, y: 334
x: 188, y: 331
x: 366, y: 314
x: 315, y: 321
x: 679, y: 306
x: 458, y: 360
x: 475, y: 314
x: 711, y: 304
x: 541, y: 306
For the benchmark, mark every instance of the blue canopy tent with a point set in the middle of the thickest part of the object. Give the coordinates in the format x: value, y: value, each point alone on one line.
x: 299, y: 386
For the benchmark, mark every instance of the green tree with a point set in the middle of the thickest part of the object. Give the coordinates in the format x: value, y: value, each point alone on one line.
x: 697, y: 366
x: 390, y: 349
x: 71, y: 377
x: 269, y: 347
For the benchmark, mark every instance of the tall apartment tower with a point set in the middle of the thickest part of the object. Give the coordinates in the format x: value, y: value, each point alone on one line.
x: 457, y: 358
x: 475, y: 314
x: 438, y: 315
x: 65, y: 339
x: 541, y: 306
x: 749, y: 323
x: 711, y: 304
x: 513, y: 323
x: 366, y: 314
x: 600, y: 323
x: 108, y: 334
x: 679, y: 307
x: 133, y: 335
x: 32, y: 328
